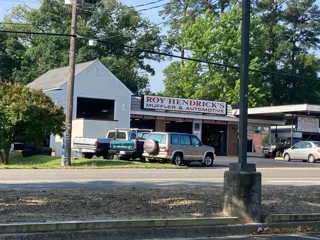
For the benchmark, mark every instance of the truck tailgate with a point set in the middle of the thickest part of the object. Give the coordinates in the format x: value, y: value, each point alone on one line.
x: 84, y: 142
x: 122, y: 145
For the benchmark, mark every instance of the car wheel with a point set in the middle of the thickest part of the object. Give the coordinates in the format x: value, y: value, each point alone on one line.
x: 208, y: 160
x: 311, y: 159
x: 287, y: 157
x: 177, y: 159
x: 87, y: 155
x: 279, y: 153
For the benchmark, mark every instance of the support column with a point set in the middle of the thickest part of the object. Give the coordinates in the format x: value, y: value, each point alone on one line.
x: 160, y: 125
x: 242, y: 195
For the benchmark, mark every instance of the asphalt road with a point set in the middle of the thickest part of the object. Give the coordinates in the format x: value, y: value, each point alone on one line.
x: 306, y: 236
x: 273, y: 173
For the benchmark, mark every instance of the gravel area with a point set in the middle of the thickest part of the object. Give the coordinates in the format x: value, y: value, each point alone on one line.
x: 135, y: 203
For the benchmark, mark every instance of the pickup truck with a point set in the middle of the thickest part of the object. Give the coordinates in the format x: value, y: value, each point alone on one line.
x: 89, y: 147
x: 132, y: 146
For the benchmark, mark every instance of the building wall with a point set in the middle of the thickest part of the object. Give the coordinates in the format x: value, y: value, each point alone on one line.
x: 232, y: 141
x: 95, y: 82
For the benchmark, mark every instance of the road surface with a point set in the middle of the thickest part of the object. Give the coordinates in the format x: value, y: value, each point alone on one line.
x: 273, y: 173
x: 305, y: 236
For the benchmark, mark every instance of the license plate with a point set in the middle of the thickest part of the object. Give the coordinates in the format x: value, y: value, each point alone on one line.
x: 122, y: 152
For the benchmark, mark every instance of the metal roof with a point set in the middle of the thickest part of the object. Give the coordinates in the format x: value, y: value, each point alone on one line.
x: 56, y: 78
x: 283, y: 111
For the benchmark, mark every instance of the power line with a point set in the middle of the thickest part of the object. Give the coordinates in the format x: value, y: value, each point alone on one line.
x: 163, y: 54
x: 19, y: 1
x: 146, y: 4
x: 39, y: 33
x: 209, y: 62
x: 11, y: 23
x: 147, y: 9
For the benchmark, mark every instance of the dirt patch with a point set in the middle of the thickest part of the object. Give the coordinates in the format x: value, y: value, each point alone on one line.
x: 132, y: 203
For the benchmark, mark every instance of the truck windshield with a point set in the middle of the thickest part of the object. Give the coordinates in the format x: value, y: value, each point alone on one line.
x: 117, y: 135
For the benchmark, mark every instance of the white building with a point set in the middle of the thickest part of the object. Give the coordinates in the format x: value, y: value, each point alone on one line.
x: 101, y: 101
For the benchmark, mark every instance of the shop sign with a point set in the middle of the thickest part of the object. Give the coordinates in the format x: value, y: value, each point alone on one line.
x: 183, y: 105
x: 214, y: 122
x: 308, y: 124
x: 142, y: 116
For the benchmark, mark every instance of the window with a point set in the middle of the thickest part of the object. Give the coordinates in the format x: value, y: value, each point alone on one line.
x: 97, y: 109
x: 185, y: 140
x: 317, y: 144
x: 156, y: 137
x: 174, y: 139
x: 118, y: 135
x: 133, y: 136
x: 142, y: 136
x: 195, y: 141
x: 306, y: 145
x: 298, y: 145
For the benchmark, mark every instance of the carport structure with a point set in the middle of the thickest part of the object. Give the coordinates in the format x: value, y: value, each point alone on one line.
x: 299, y: 120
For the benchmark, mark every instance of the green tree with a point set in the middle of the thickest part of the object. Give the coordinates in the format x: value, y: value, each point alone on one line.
x: 27, y: 115
x: 216, y: 39
x: 110, y: 21
x: 284, y: 35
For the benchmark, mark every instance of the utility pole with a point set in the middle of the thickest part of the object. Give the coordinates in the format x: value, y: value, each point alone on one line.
x: 242, y: 165
x: 66, y: 161
x: 242, y: 184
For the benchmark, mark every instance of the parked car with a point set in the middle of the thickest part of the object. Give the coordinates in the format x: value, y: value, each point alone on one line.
x: 89, y: 147
x: 177, y: 148
x: 277, y: 148
x: 129, y: 146
x: 305, y: 151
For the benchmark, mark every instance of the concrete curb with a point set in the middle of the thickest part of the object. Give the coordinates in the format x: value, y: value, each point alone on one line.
x: 279, y: 159
x: 155, y: 233
x: 276, y: 218
x: 114, y: 224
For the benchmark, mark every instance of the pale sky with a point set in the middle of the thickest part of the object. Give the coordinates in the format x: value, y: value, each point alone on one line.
x: 156, y: 82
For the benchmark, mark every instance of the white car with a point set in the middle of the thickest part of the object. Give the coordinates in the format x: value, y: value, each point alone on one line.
x: 305, y: 151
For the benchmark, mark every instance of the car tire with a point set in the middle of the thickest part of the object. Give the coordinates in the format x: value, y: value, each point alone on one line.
x: 208, y: 160
x: 311, y: 159
x: 177, y: 159
x: 266, y: 156
x: 151, y: 146
x: 287, y: 157
x: 87, y: 155
x: 279, y: 153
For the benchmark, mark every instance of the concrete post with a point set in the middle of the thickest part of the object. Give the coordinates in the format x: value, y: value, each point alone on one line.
x: 242, y: 195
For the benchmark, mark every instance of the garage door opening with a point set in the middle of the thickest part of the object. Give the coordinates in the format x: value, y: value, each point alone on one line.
x: 215, y: 135
x: 95, y: 109
x: 180, y: 127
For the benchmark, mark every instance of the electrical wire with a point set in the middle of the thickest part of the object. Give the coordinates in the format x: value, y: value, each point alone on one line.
x: 164, y: 54
x: 150, y: 8
x: 147, y: 4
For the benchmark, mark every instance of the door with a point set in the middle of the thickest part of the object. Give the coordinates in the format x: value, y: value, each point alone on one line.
x: 197, y: 152
x: 185, y: 143
x: 306, y: 150
x: 295, y: 151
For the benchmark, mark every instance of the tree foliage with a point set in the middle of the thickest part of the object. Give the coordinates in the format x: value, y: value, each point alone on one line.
x: 284, y: 36
x: 109, y: 20
x: 26, y: 115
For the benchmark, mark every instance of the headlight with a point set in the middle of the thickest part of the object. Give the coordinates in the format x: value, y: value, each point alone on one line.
x: 273, y: 147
